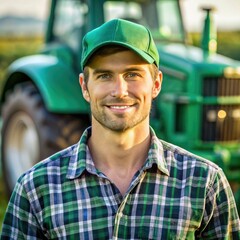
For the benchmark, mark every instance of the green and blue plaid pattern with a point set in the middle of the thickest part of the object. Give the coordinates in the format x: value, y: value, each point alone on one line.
x: 176, y: 195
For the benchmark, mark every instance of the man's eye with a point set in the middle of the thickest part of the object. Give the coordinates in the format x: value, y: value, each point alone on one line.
x: 132, y: 75
x: 104, y: 76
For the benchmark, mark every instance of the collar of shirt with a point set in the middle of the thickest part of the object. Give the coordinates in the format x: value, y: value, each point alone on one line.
x: 80, y: 157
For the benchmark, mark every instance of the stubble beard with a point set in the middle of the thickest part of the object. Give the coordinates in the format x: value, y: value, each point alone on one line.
x: 119, y: 123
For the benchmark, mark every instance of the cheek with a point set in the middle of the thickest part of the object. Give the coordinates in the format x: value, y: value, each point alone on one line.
x: 144, y: 91
x: 96, y: 93
x: 103, y: 89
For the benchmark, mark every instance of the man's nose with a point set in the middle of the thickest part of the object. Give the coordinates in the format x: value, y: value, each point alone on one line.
x: 120, y: 87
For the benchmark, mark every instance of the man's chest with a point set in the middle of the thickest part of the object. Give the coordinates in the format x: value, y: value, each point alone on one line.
x: 97, y: 211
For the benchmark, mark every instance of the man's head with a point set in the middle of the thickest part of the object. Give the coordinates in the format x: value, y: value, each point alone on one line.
x: 124, y: 33
x: 121, y: 75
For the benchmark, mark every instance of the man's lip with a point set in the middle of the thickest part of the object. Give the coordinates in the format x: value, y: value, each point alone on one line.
x: 120, y: 105
x: 120, y: 108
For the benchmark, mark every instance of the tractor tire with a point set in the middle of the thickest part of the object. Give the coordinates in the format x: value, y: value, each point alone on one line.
x: 30, y: 133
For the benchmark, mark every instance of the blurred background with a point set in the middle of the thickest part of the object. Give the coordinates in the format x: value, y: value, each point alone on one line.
x: 22, y: 27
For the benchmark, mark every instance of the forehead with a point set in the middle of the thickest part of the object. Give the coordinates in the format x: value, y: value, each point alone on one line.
x: 116, y: 59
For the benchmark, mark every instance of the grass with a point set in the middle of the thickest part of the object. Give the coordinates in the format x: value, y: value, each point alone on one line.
x: 14, y: 48
x: 3, y: 202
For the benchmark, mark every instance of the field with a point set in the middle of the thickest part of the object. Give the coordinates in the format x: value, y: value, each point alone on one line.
x: 3, y: 202
x: 13, y: 48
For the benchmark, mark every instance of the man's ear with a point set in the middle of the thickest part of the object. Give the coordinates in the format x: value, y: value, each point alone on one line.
x: 157, y: 85
x: 84, y: 87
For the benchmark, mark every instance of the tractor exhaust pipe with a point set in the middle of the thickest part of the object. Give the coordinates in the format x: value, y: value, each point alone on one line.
x: 209, y: 34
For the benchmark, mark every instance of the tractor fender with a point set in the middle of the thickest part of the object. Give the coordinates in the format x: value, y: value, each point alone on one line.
x: 56, y: 81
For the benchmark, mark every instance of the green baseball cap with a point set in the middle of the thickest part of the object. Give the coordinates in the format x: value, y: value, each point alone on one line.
x: 121, y: 32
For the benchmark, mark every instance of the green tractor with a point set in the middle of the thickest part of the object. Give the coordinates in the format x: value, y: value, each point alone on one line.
x: 43, y: 110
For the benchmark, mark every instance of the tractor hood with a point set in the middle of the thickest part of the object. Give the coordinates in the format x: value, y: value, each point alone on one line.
x: 180, y: 60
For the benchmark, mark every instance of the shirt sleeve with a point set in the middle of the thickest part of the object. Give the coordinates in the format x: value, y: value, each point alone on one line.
x: 20, y: 221
x: 220, y: 219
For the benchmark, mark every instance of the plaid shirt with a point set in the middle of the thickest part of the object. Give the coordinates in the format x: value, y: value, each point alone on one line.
x: 176, y: 195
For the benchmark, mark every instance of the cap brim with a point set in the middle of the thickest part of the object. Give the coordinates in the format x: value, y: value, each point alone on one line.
x: 141, y: 53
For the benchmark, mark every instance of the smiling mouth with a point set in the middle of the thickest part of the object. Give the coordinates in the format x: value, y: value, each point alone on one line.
x: 119, y: 107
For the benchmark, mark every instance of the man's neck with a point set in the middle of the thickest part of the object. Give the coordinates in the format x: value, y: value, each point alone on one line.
x: 119, y: 155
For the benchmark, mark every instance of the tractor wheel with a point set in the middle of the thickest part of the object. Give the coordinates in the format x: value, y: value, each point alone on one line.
x: 30, y: 133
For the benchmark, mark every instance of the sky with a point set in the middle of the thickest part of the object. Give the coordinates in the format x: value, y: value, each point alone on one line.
x: 36, y: 8
x: 226, y: 16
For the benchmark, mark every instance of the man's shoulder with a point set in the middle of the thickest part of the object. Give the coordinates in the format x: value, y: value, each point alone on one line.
x: 51, y: 167
x: 186, y: 159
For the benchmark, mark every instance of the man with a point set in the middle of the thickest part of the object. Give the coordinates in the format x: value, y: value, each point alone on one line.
x: 120, y: 181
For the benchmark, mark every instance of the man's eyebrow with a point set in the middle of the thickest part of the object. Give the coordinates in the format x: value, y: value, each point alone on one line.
x: 134, y: 69
x: 97, y: 71
x: 128, y: 69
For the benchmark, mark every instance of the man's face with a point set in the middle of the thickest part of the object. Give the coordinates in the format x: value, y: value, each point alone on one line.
x: 120, y: 90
